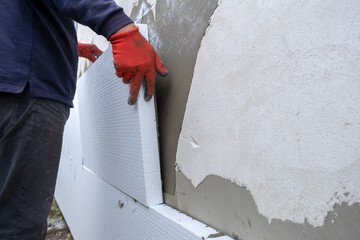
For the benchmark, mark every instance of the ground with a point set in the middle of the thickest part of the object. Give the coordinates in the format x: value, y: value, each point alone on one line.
x: 57, y: 228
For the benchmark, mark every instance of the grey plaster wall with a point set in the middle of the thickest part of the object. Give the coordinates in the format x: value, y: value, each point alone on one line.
x: 231, y: 209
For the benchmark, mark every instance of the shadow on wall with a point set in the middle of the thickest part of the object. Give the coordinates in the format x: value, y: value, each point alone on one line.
x: 226, y: 206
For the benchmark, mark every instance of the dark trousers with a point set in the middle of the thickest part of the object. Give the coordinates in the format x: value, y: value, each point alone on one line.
x: 31, y: 131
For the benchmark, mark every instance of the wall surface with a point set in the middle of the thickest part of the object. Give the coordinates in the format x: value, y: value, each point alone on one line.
x: 274, y: 106
x: 232, y: 209
x: 271, y: 129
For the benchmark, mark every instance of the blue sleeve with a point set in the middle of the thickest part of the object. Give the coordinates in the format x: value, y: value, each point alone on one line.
x: 105, y: 17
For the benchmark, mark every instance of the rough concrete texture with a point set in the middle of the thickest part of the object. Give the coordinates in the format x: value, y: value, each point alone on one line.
x: 274, y: 105
x: 176, y: 37
x: 231, y: 209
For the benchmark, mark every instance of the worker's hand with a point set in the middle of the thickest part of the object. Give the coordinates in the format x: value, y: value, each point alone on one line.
x: 89, y: 51
x: 135, y: 59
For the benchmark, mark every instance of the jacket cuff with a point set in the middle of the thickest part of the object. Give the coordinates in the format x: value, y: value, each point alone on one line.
x: 114, y: 23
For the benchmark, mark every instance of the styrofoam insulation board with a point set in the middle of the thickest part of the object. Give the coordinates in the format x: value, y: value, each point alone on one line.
x: 95, y: 210
x: 119, y: 141
x: 91, y: 205
x: 72, y: 148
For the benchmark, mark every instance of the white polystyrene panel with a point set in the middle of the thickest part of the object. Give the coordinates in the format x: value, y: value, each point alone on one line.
x: 95, y: 210
x: 96, y: 192
x: 119, y: 140
x: 72, y: 148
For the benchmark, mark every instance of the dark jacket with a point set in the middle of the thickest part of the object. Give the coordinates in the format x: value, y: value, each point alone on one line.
x: 38, y: 42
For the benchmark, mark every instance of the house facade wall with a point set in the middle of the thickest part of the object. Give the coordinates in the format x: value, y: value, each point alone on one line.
x: 259, y: 117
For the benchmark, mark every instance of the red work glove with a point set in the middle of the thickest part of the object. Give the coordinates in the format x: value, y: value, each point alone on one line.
x: 89, y: 51
x: 135, y: 59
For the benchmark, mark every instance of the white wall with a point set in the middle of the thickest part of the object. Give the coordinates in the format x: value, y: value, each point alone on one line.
x: 274, y: 105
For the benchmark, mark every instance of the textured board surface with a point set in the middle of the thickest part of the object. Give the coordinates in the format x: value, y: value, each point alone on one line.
x: 119, y: 141
x: 72, y: 146
x: 108, y: 184
x: 95, y: 210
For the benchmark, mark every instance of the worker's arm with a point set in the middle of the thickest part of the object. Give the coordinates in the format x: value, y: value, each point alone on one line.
x: 105, y: 17
x: 134, y: 57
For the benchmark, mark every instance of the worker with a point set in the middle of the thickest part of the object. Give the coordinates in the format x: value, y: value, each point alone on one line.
x: 38, y: 65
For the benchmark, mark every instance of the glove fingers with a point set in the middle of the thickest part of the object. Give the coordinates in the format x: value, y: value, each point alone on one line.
x: 97, y: 52
x: 150, y: 84
x: 118, y: 70
x: 159, y: 66
x: 135, y: 88
x: 89, y: 51
x: 91, y: 57
x: 132, y: 53
x: 127, y: 77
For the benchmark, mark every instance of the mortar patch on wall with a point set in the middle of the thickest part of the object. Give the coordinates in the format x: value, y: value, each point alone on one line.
x: 275, y: 103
